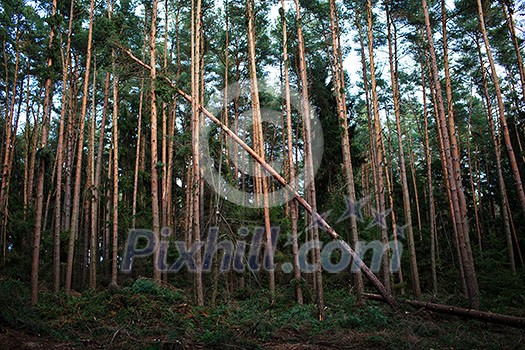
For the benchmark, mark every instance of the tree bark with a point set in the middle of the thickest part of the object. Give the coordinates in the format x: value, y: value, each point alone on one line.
x: 195, y: 128
x: 154, y: 138
x: 340, y: 93
x: 75, y: 214
x: 260, y: 177
x: 48, y: 86
x: 381, y: 207
x: 310, y: 176
x: 454, y: 177
x: 501, y: 110
x: 505, y: 209
x: 325, y: 226
x: 416, y: 289
x: 294, y: 210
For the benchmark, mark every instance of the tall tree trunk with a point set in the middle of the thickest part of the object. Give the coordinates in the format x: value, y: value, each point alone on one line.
x: 340, y: 93
x: 154, y: 138
x: 71, y: 136
x: 137, y: 158
x: 390, y: 190
x: 60, y: 154
x: 471, y: 175
x: 195, y: 127
x: 140, y: 137
x: 416, y: 289
x: 97, y: 190
x: 381, y: 207
x: 310, y: 176
x: 90, y: 209
x: 114, y: 142
x: 75, y: 214
x: 116, y: 194
x: 261, y: 180
x: 41, y: 170
x: 10, y: 139
x: 165, y: 116
x: 505, y: 209
x: 501, y: 110
x: 431, y: 201
x: 508, y: 11
x: 453, y: 182
x: 294, y: 210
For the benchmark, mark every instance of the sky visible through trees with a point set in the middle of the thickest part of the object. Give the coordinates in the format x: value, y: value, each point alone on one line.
x: 387, y: 136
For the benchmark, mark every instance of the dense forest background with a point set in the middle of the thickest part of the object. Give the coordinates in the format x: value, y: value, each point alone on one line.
x: 400, y: 122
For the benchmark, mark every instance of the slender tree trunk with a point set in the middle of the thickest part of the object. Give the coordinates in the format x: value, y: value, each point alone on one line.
x: 453, y: 183
x: 90, y: 215
x: 431, y: 201
x: 71, y: 135
x: 294, y: 210
x: 381, y: 207
x: 195, y: 127
x: 445, y: 170
x: 116, y: 194
x: 501, y: 110
x: 60, y: 153
x: 340, y: 93
x: 137, y: 158
x: 42, y: 171
x: 97, y: 189
x: 75, y: 214
x: 154, y: 138
x: 305, y: 99
x: 505, y: 209
x: 371, y: 148
x: 171, y: 136
x: 416, y: 289
x: 471, y: 175
x: 165, y: 116
x: 261, y: 180
x: 390, y: 190
x: 507, y: 10
x: 8, y: 127
x: 454, y: 139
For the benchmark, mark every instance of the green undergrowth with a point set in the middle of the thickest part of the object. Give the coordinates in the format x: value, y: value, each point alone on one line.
x: 145, y: 315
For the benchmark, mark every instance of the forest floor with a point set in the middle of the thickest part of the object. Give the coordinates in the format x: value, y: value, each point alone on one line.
x: 147, y: 316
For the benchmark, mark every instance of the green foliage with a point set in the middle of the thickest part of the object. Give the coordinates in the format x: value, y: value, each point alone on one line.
x: 150, y: 287
x: 15, y: 310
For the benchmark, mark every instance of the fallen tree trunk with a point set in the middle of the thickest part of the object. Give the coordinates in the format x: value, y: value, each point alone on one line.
x: 486, y: 316
x: 387, y: 297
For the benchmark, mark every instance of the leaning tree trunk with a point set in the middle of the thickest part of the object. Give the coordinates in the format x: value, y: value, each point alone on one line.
x: 501, y: 110
x: 358, y: 262
x: 453, y: 183
x: 507, y: 10
x: 501, y: 180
